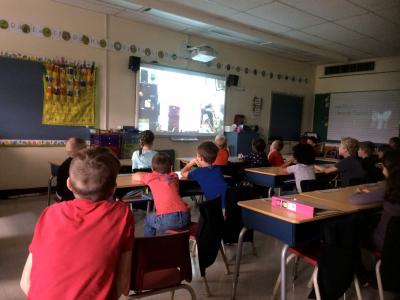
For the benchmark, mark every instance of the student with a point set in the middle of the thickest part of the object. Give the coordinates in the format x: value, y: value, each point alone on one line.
x: 81, y: 249
x: 275, y: 158
x: 303, y: 169
x: 381, y: 151
x: 171, y: 211
x: 311, y: 140
x: 369, y: 161
x: 349, y: 167
x: 389, y: 194
x: 72, y: 146
x: 209, y: 177
x: 258, y: 157
x: 223, y: 153
x: 394, y: 143
x: 141, y: 159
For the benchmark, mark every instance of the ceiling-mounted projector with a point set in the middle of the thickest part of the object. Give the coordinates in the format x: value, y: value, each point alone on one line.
x: 202, y: 53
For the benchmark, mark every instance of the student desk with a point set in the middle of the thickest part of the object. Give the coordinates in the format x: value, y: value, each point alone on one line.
x: 291, y: 228
x: 186, y: 160
x: 319, y: 160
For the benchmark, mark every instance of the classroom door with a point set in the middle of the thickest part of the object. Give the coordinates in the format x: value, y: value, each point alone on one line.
x: 286, y: 116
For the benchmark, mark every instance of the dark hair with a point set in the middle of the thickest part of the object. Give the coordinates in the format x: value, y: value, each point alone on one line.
x: 384, y: 147
x: 259, y: 145
x: 391, y: 160
x: 145, y: 138
x: 303, y: 139
x: 313, y: 139
x: 161, y: 163
x: 368, y: 147
x: 208, y: 150
x: 304, y: 154
x: 93, y: 173
x: 394, y: 142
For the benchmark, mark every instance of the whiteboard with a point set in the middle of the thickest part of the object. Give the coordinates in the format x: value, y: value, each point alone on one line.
x: 366, y: 116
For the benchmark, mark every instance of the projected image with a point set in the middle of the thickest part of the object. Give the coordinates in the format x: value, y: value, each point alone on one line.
x: 379, y: 120
x: 178, y: 102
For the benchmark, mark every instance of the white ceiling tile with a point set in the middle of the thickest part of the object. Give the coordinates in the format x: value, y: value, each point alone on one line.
x: 347, y: 51
x: 371, y: 46
x: 207, y: 6
x: 331, y: 10
x: 285, y: 15
x: 242, y: 5
x: 391, y: 14
x: 376, y: 4
x: 259, y: 23
x: 307, y: 38
x: 93, y: 6
x: 140, y: 17
x: 371, y: 25
x: 332, y: 32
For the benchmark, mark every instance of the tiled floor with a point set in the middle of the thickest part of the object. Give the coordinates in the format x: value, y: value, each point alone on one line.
x: 257, y: 276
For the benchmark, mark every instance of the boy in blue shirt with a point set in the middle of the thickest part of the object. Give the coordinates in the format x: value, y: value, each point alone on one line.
x: 209, y: 177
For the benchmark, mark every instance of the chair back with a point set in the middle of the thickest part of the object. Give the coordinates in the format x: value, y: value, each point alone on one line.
x: 313, y: 185
x: 233, y: 222
x: 209, y: 233
x: 147, y: 170
x: 53, y: 169
x: 160, y: 261
x: 390, y: 266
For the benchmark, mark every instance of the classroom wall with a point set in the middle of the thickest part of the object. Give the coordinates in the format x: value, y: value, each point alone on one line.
x: 27, y: 167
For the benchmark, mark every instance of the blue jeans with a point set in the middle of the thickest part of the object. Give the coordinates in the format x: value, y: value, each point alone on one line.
x: 175, y: 220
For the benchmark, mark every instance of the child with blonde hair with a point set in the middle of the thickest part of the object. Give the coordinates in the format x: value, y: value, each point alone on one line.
x: 223, y: 152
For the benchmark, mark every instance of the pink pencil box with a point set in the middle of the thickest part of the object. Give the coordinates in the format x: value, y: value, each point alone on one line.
x: 293, y: 205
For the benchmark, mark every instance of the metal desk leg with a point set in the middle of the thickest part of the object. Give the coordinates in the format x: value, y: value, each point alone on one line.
x: 270, y: 189
x: 283, y: 271
x: 237, y: 265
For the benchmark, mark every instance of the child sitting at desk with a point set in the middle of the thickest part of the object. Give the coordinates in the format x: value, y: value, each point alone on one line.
x: 275, y: 157
x: 349, y: 167
x: 82, y: 249
x: 72, y: 146
x: 171, y: 211
x: 209, y: 177
x: 304, y: 156
x: 389, y: 194
x: 258, y: 157
x: 223, y: 153
x: 369, y: 161
x: 141, y: 159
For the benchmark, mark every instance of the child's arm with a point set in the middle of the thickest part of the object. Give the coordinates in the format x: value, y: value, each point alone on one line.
x: 25, y: 282
x: 326, y: 170
x: 137, y: 176
x: 284, y: 169
x: 124, y: 273
x: 186, y: 169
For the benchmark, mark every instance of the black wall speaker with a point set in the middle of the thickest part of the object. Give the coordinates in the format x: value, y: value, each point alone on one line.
x: 134, y: 63
x: 232, y: 80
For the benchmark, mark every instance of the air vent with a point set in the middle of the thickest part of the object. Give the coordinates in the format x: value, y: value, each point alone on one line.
x: 350, y: 68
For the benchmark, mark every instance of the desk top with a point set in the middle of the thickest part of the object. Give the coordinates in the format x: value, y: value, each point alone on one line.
x: 274, y: 171
x: 125, y: 181
x: 264, y: 207
x: 340, y: 198
x: 232, y: 159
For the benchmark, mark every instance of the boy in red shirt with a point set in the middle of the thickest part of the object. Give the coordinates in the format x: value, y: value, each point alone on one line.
x: 81, y: 249
x: 275, y: 158
x: 223, y: 153
x: 171, y: 211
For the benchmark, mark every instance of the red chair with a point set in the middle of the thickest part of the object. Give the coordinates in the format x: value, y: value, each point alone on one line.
x: 155, y: 272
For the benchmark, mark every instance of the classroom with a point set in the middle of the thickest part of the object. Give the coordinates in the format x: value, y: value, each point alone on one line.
x: 283, y: 67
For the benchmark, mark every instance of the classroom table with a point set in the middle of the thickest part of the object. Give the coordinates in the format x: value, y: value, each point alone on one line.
x: 319, y: 160
x: 291, y: 228
x: 231, y: 159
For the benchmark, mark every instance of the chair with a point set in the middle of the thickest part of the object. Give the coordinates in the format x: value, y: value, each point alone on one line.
x: 154, y: 272
x: 388, y: 265
x: 313, y: 185
x: 207, y: 235
x: 53, y: 175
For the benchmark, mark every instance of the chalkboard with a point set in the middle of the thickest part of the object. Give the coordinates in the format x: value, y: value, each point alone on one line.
x: 21, y: 104
x: 286, y: 114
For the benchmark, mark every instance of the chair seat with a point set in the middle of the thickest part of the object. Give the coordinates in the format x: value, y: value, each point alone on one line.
x: 161, y: 279
x: 192, y: 228
x: 309, y: 253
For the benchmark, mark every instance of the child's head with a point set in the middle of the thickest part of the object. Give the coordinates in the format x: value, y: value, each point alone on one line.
x: 161, y: 163
x: 348, y: 147
x: 73, y: 145
x: 93, y: 173
x: 394, y: 142
x: 277, y: 145
x: 146, y: 138
x: 207, y: 152
x: 220, y: 141
x: 258, y: 145
x: 366, y: 149
x: 304, y: 154
x: 391, y: 170
x: 311, y: 140
x: 382, y: 150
